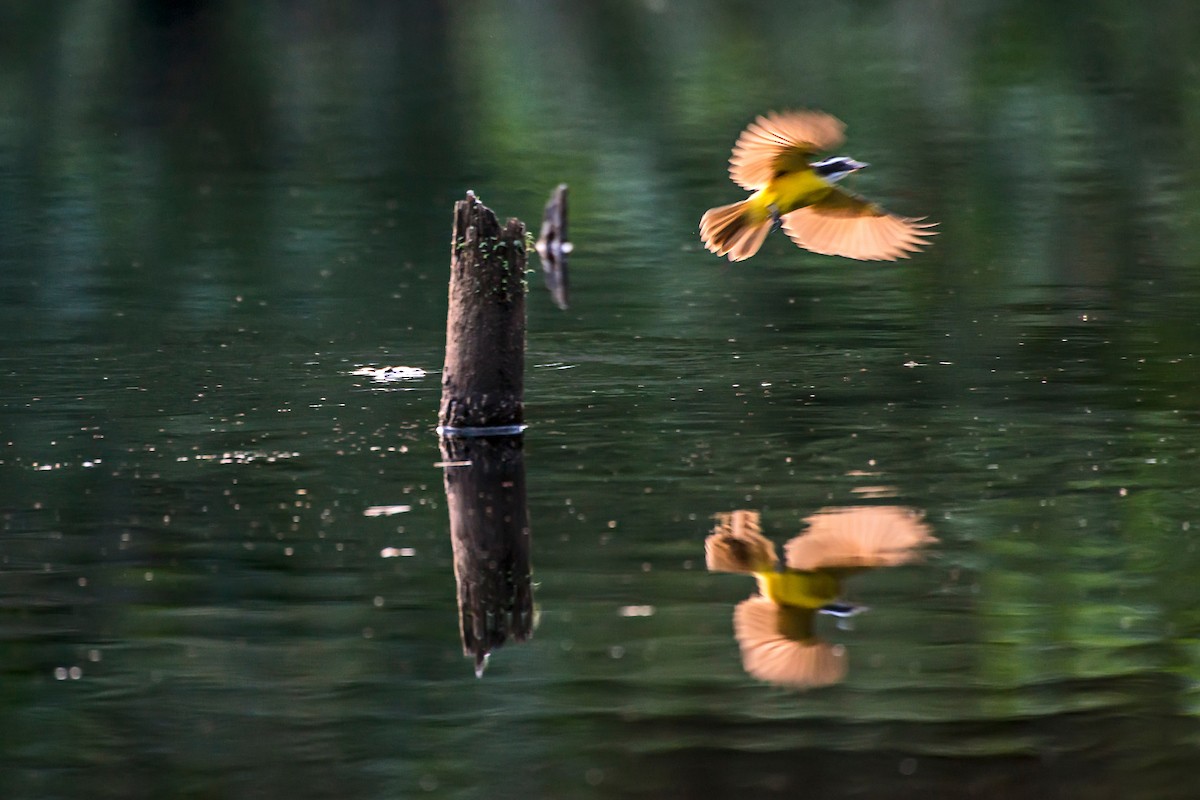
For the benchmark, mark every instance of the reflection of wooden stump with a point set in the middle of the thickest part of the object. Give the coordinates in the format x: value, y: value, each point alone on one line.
x: 489, y: 528
x: 483, y: 378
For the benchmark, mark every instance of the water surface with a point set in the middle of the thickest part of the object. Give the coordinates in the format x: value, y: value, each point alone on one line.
x: 211, y: 215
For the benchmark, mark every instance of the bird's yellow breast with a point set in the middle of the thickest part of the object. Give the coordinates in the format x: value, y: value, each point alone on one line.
x: 800, y: 589
x: 793, y: 190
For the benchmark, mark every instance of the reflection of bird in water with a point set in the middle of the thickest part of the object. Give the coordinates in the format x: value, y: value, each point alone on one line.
x: 775, y: 630
x: 772, y: 159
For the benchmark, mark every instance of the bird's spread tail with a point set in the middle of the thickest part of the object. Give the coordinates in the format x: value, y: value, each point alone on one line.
x: 734, y: 230
x: 737, y: 544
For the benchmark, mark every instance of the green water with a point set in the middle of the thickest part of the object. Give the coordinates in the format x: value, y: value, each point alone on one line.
x: 211, y: 214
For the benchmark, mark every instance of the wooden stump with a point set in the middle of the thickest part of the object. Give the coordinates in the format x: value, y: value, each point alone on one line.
x: 481, y: 419
x: 483, y: 378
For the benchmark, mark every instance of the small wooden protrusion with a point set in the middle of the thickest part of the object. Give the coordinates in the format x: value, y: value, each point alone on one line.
x: 553, y: 247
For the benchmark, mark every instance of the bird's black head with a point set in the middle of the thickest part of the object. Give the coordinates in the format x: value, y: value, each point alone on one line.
x: 836, y: 168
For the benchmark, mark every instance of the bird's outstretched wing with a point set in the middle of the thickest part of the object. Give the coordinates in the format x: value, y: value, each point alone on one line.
x: 779, y: 143
x: 778, y: 645
x: 845, y: 224
x: 858, y: 537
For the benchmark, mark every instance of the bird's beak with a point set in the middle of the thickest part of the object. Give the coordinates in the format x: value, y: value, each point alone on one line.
x: 857, y: 165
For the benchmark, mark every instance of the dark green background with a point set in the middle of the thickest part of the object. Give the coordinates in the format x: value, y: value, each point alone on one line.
x: 211, y: 213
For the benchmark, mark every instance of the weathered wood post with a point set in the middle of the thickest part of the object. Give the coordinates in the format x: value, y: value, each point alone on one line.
x: 480, y: 423
x: 483, y: 381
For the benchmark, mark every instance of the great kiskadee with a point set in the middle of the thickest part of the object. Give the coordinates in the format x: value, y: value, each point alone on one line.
x: 773, y: 159
x: 775, y: 630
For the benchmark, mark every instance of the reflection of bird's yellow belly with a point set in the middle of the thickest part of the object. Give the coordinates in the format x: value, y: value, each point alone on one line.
x: 801, y: 589
x: 794, y: 190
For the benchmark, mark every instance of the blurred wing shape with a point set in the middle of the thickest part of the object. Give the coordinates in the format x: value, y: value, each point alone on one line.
x: 778, y: 646
x: 737, y: 544
x: 844, y: 224
x: 858, y: 537
x: 780, y: 143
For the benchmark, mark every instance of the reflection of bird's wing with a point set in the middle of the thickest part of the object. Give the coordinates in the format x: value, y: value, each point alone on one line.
x: 778, y: 646
x: 780, y: 143
x: 737, y: 544
x: 858, y: 537
x: 844, y: 224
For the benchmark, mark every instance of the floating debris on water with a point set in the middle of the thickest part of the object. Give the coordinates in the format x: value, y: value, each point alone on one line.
x: 393, y: 552
x: 385, y: 511
x: 876, y: 492
x: 390, y: 374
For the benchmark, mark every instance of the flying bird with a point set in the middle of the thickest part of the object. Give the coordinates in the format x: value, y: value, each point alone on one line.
x: 774, y: 159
